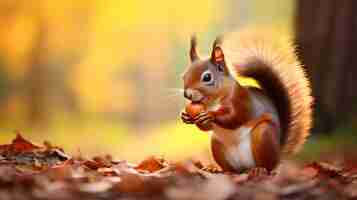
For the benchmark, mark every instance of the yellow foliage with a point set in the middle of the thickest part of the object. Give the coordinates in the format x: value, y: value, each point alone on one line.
x: 16, y: 41
x: 244, y: 81
x: 123, y: 33
x: 172, y: 140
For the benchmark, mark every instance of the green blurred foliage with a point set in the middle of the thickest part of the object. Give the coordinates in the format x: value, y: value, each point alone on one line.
x: 340, y: 143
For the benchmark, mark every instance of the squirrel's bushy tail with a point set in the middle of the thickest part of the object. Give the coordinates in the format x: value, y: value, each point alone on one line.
x: 274, y: 65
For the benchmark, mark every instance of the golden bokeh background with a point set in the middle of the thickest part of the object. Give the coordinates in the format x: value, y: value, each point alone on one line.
x: 99, y: 77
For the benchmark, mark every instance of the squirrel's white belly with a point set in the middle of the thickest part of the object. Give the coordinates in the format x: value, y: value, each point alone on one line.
x: 237, y: 144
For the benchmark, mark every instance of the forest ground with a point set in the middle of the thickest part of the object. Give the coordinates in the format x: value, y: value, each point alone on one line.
x: 29, y: 171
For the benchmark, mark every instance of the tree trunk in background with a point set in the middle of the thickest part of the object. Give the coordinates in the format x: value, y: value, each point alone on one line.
x: 326, y: 35
x: 37, y: 79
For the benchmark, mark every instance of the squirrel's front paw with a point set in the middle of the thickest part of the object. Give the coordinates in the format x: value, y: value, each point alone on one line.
x: 186, y: 118
x: 203, y: 118
x: 257, y: 172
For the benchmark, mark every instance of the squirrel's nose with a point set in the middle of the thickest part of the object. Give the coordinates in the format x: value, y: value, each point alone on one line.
x: 187, y: 94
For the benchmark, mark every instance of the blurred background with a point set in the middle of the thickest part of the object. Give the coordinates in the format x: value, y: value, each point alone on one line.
x: 100, y: 77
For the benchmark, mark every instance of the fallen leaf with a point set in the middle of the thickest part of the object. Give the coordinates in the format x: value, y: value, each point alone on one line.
x: 19, y: 144
x: 151, y: 164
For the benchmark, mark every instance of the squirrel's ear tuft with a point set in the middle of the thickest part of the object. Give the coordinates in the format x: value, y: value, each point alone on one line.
x: 217, y: 55
x: 218, y: 41
x: 193, y: 49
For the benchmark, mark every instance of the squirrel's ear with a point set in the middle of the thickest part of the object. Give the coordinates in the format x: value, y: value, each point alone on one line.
x: 193, y: 49
x: 217, y: 55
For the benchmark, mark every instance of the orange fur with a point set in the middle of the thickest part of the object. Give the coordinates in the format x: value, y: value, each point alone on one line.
x: 234, y: 110
x: 218, y: 153
x: 265, y: 145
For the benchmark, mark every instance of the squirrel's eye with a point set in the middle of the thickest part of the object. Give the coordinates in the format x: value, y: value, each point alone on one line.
x: 207, y: 77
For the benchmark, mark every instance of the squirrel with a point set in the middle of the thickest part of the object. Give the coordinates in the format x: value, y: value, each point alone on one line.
x: 252, y: 127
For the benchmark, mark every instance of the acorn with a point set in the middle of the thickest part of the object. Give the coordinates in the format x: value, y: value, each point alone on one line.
x: 193, y: 109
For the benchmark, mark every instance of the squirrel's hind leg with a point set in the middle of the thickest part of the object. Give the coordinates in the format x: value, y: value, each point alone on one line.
x: 265, y: 144
x: 218, y: 153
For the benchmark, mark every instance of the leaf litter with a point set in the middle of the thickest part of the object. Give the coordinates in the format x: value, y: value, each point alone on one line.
x: 29, y: 171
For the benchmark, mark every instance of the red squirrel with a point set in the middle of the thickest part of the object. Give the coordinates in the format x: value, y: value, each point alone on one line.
x: 252, y: 127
